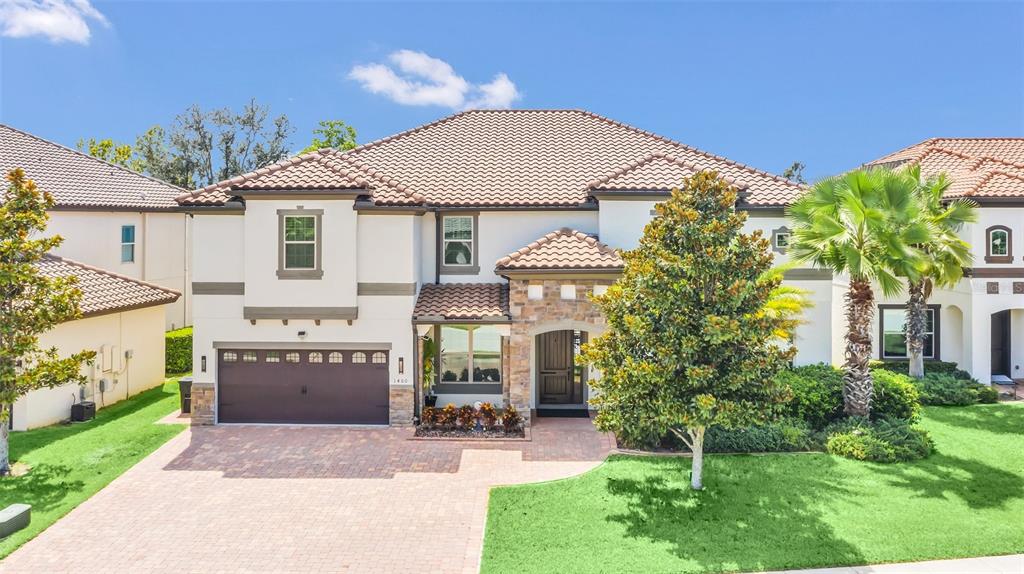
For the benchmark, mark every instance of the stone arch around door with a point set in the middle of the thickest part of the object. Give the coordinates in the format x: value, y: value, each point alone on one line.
x: 552, y: 305
x: 535, y: 333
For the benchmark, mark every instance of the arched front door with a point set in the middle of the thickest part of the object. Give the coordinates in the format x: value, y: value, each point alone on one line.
x: 560, y: 381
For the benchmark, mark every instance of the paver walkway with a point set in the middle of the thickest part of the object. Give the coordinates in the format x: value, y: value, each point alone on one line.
x: 988, y: 565
x: 304, y: 499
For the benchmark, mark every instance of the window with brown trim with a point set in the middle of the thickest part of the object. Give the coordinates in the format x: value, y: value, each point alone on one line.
x: 998, y: 244
x: 458, y: 244
x: 892, y: 325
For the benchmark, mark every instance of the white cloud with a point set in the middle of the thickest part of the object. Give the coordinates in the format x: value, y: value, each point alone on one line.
x: 421, y: 80
x: 58, y: 20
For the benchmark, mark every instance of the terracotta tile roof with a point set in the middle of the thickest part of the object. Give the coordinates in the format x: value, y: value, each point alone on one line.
x: 79, y: 180
x: 512, y: 158
x: 656, y: 172
x: 106, y: 292
x: 1007, y: 149
x: 562, y: 249
x: 462, y: 301
x: 977, y: 167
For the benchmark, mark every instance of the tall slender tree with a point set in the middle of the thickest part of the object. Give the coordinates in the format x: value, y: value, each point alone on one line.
x: 864, y: 224
x: 945, y: 256
x: 30, y: 302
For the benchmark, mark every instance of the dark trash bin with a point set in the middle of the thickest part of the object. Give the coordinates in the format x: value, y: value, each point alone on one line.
x: 185, y: 393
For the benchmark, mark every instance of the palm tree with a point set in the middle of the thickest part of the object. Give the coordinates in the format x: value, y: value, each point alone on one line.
x: 864, y: 224
x: 785, y: 302
x: 945, y: 256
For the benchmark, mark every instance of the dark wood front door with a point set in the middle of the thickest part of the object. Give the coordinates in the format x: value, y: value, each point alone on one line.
x: 1001, y: 343
x: 302, y: 386
x: 555, y: 372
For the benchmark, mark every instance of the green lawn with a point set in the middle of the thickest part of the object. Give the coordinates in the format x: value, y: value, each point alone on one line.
x: 70, y: 463
x: 779, y: 511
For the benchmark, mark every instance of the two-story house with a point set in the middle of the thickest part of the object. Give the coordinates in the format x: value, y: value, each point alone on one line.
x: 979, y: 323
x: 317, y: 279
x: 110, y: 217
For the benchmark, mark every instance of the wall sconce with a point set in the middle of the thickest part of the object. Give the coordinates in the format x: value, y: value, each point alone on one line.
x: 401, y: 365
x: 203, y: 363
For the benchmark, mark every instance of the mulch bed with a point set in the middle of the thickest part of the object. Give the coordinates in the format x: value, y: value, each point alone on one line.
x: 468, y: 434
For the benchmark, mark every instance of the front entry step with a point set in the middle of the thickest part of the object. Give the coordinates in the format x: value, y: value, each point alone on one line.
x: 564, y: 413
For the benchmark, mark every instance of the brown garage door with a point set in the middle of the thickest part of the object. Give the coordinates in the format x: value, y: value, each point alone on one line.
x: 307, y: 386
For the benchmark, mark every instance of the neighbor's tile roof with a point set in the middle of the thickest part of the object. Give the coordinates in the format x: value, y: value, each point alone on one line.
x: 510, y: 158
x: 977, y: 167
x: 104, y: 291
x: 1008, y: 149
x: 562, y: 249
x: 462, y: 301
x: 79, y: 180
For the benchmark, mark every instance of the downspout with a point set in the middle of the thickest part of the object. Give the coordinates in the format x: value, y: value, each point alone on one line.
x: 437, y: 247
x: 416, y: 374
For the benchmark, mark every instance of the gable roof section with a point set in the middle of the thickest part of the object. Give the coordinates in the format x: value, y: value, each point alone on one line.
x: 1008, y: 149
x: 981, y: 168
x: 462, y: 301
x: 77, y: 180
x: 562, y: 249
x: 520, y: 158
x: 106, y: 292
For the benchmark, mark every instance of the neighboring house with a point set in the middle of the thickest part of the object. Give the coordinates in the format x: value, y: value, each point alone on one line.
x: 109, y: 216
x: 978, y: 324
x: 123, y: 321
x: 316, y: 278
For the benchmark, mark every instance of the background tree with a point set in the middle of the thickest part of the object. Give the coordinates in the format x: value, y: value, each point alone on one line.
x: 110, y: 151
x: 689, y: 343
x: 795, y: 172
x: 864, y: 224
x: 204, y: 147
x: 945, y: 256
x: 333, y: 134
x: 31, y: 303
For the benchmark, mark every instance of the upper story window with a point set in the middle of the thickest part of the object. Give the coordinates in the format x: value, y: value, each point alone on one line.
x: 998, y: 244
x: 459, y: 244
x: 300, y: 243
x: 894, y: 332
x: 127, y: 244
x: 780, y: 239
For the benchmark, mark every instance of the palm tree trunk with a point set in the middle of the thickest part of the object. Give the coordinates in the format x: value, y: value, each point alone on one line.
x: 857, y: 385
x: 916, y: 322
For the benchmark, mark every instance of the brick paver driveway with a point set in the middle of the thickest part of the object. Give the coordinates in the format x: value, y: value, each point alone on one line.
x: 304, y: 499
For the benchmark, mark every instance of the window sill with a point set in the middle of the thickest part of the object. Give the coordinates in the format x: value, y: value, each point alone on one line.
x: 452, y: 388
x: 300, y: 273
x: 460, y: 270
x: 999, y: 259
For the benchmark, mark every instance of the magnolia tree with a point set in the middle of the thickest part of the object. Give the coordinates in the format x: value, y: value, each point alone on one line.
x: 692, y: 340
x: 31, y: 303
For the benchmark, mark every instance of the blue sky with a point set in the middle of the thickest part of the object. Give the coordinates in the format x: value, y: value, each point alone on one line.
x: 828, y: 84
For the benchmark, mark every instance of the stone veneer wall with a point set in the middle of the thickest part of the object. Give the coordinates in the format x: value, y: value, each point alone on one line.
x: 527, y: 315
x: 203, y: 399
x: 401, y: 401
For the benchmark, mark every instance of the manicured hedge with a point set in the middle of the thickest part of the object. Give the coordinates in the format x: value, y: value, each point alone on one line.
x: 929, y: 367
x: 178, y: 351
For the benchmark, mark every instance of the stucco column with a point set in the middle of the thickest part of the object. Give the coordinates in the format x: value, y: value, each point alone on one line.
x: 980, y: 360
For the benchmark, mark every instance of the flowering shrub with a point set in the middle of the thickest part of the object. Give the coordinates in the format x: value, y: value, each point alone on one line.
x: 428, y: 417
x: 448, y: 416
x: 467, y: 416
x: 511, y: 420
x: 488, y: 416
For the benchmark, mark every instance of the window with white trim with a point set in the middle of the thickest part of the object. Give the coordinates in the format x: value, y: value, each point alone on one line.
x: 127, y: 244
x: 457, y: 244
x: 470, y: 354
x: 300, y: 241
x: 894, y: 332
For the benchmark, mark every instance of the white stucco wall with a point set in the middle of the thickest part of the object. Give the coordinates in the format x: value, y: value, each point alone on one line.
x: 502, y: 232
x: 161, y: 249
x: 218, y: 248
x: 974, y: 233
x: 140, y: 331
x: 337, y: 287
x: 388, y: 248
